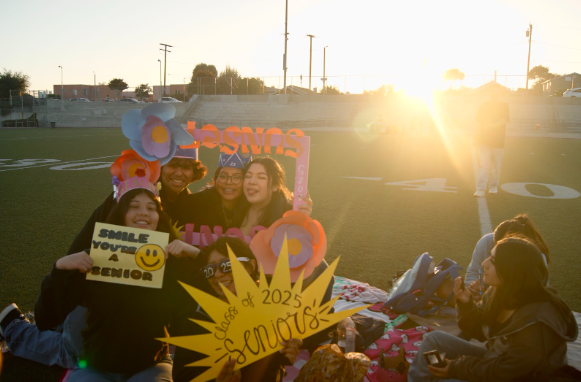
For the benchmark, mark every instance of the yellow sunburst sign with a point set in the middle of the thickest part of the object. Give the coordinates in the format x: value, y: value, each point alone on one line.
x: 259, y: 317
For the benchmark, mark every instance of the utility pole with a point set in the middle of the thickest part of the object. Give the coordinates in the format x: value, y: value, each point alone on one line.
x: 530, y: 36
x: 95, y: 85
x: 324, y: 76
x: 160, y: 89
x: 165, y: 46
x: 285, y: 41
x: 62, y: 87
x: 310, y: 58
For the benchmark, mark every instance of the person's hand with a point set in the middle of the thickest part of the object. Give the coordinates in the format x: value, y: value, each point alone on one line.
x: 291, y: 349
x: 440, y: 372
x: 307, y: 208
x: 179, y: 248
x: 474, y: 289
x: 227, y: 374
x: 81, y: 261
x: 462, y: 294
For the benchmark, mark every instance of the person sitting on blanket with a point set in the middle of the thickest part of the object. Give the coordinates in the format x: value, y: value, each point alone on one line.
x: 62, y: 346
x: 123, y: 321
x: 524, y: 322
x: 217, y: 270
x: 266, y: 200
x: 522, y: 225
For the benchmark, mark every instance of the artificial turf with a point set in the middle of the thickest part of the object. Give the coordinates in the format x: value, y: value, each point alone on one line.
x: 377, y: 229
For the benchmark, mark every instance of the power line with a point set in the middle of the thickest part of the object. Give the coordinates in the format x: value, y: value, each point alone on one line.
x: 560, y: 46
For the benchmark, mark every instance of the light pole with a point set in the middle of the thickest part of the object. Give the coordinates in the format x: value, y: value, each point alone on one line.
x: 285, y: 42
x: 160, y: 92
x: 530, y: 36
x: 324, y: 76
x: 310, y: 58
x: 95, y: 85
x: 62, y: 87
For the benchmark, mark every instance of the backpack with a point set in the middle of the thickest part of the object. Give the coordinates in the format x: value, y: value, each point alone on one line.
x: 413, y: 291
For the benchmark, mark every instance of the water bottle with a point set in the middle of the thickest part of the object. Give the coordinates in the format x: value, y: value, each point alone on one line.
x: 346, y: 335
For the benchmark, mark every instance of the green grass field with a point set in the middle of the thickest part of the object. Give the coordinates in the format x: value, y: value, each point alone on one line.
x: 377, y: 229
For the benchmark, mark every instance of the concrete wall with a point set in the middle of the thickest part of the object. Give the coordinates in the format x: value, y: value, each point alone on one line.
x: 357, y: 111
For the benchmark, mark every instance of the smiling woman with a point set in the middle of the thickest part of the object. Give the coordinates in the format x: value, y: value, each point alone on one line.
x: 128, y: 347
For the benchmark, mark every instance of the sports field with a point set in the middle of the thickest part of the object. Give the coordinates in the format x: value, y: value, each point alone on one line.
x: 382, y: 199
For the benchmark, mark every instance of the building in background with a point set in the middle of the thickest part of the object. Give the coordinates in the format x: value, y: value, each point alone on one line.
x: 560, y: 84
x: 92, y: 93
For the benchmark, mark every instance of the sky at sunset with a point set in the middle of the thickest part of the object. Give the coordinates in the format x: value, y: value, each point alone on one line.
x: 401, y: 42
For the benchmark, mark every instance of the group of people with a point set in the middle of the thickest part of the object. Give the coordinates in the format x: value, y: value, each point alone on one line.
x: 106, y: 331
x: 504, y: 300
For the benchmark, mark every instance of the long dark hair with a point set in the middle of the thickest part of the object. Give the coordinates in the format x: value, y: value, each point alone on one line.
x: 523, y: 274
x: 522, y: 225
x: 281, y: 200
x: 117, y: 214
x: 238, y: 246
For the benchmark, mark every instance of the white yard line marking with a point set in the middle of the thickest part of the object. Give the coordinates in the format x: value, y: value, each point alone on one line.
x: 361, y: 178
x: 58, y: 163
x: 484, y: 214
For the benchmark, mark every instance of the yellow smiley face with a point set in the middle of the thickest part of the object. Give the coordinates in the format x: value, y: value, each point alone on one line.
x: 150, y: 257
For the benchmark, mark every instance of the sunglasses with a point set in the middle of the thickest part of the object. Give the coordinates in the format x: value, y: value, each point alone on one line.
x: 224, y: 265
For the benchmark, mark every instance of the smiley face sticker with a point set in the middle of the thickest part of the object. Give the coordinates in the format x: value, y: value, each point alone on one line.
x: 150, y: 257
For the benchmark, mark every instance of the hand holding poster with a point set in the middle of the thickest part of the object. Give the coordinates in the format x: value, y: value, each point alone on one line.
x: 254, y: 322
x: 130, y: 256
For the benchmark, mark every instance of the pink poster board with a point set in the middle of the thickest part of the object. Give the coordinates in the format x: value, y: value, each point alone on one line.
x: 293, y: 143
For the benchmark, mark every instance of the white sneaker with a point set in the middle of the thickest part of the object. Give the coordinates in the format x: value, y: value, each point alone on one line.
x: 493, y: 190
x: 479, y: 193
x: 5, y: 319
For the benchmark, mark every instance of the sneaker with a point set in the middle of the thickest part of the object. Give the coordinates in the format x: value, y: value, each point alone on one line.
x: 493, y: 190
x: 479, y: 193
x: 9, y: 314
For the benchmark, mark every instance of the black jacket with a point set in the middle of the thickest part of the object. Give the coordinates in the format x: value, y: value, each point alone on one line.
x: 123, y: 321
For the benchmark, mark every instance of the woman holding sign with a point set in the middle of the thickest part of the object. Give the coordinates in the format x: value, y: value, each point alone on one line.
x: 267, y: 197
x: 123, y: 321
x: 218, y: 271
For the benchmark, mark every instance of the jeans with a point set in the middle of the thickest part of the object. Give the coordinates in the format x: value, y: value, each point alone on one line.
x: 490, y: 160
x: 48, y: 347
x: 160, y: 372
x: 453, y: 346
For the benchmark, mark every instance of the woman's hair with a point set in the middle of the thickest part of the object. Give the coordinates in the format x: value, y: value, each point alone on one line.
x: 215, y: 177
x: 523, y: 275
x: 238, y: 246
x: 117, y: 214
x: 522, y: 225
x: 276, y: 178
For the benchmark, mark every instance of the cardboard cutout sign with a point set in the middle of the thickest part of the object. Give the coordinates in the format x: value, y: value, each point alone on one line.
x: 130, y: 256
x: 234, y: 138
x: 207, y: 236
x: 254, y: 322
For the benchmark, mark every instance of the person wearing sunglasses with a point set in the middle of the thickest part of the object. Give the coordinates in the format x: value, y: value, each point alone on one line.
x: 218, y: 270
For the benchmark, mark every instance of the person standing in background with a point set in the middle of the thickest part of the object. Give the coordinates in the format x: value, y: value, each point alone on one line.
x: 489, y: 137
